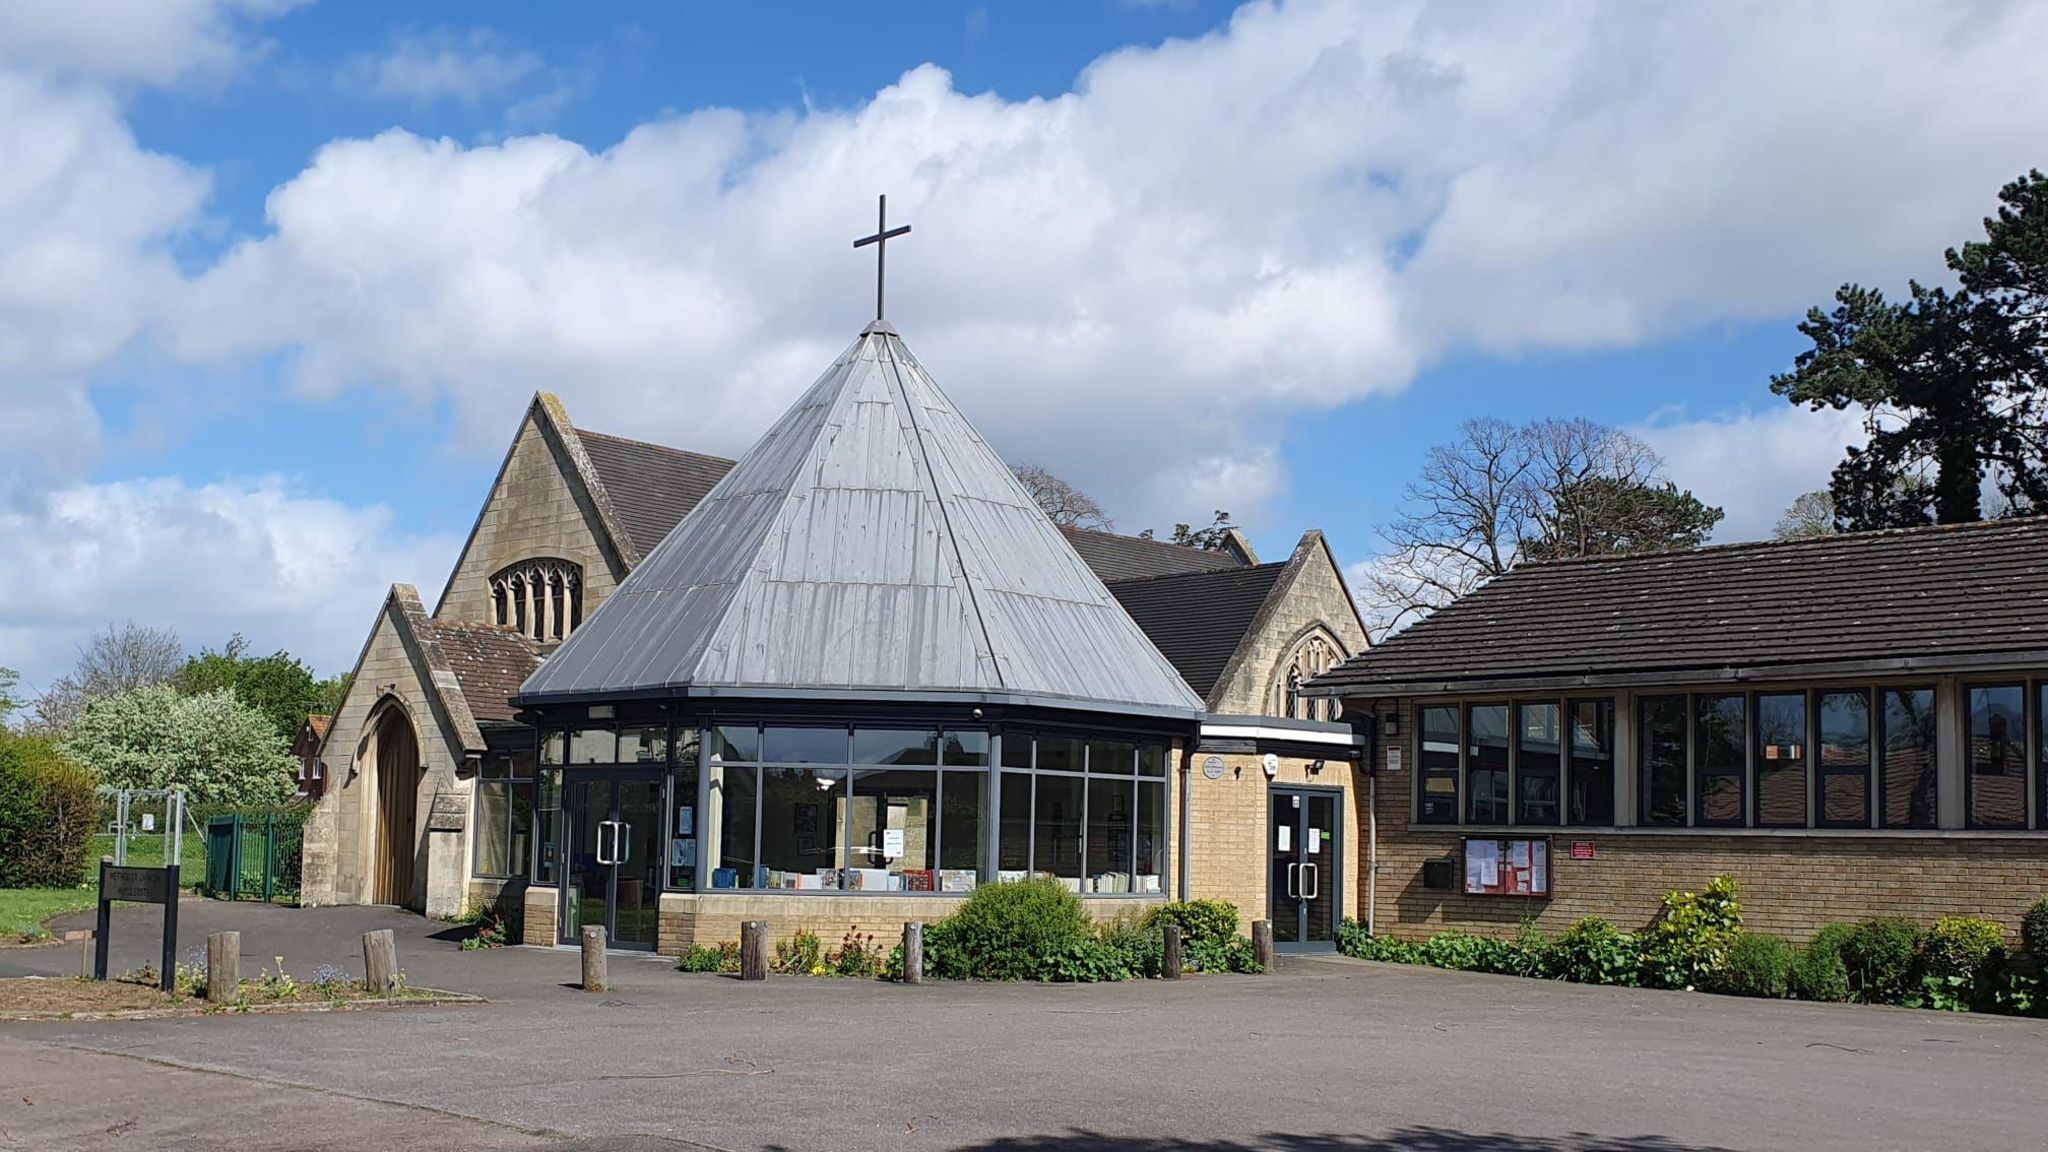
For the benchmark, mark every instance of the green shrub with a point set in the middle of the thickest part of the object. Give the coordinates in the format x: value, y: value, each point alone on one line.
x: 2034, y: 931
x: 1140, y: 949
x: 1354, y: 940
x: 1086, y: 960
x: 858, y: 956
x: 1879, y: 956
x: 48, y: 809
x: 721, y: 957
x: 1199, y: 920
x: 1758, y: 964
x: 1005, y: 931
x: 1592, y: 951
x: 1689, y: 941
x: 800, y: 955
x: 943, y: 959
x: 1352, y: 936
x: 1961, y: 959
x: 1817, y: 972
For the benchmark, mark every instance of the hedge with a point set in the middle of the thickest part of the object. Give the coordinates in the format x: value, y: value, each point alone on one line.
x: 49, y: 807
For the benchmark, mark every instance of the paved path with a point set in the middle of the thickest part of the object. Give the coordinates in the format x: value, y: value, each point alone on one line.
x: 1323, y: 1055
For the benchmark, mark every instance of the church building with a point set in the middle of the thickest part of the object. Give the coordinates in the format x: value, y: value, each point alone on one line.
x: 843, y: 680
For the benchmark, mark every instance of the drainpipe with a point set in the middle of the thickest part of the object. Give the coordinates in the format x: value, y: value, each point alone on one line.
x: 1187, y: 775
x: 1372, y: 852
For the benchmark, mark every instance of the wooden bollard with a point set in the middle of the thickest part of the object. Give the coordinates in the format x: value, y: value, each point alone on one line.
x: 1262, y: 943
x: 380, y: 962
x: 1169, y: 965
x: 594, y: 979
x: 224, y: 967
x: 913, y: 952
x: 754, y: 950
x: 85, y: 965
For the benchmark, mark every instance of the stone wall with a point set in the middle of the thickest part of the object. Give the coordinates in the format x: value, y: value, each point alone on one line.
x: 1313, y: 598
x: 541, y: 905
x: 1228, y: 859
x: 539, y: 508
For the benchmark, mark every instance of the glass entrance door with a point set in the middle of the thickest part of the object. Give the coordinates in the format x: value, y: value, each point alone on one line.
x: 1306, y: 869
x: 614, y: 852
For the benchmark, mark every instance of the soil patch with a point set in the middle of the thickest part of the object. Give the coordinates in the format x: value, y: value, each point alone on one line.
x: 38, y: 997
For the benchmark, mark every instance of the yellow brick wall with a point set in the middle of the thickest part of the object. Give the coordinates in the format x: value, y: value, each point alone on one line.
x: 540, y: 916
x: 688, y: 919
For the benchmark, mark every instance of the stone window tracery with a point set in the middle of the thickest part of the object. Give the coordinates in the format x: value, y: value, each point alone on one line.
x: 1313, y: 655
x: 540, y: 598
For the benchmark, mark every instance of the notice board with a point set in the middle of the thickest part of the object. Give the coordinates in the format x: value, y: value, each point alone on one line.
x: 1507, y: 867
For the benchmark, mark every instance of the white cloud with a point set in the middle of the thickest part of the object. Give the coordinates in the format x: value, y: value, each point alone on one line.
x: 1752, y: 464
x: 148, y: 41
x: 427, y: 69
x: 256, y: 556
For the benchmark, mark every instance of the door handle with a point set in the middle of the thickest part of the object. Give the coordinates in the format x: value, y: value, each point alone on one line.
x: 1312, y: 873
x: 602, y: 825
x: 622, y: 848
x: 1294, y: 881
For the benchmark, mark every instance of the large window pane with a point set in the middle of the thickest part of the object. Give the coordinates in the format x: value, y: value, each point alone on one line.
x: 1719, y: 760
x: 1152, y: 759
x: 593, y: 746
x: 803, y: 746
x: 547, y: 824
x: 802, y: 814
x: 1110, y: 824
x: 1486, y: 764
x: 683, y: 827
x: 493, y: 820
x: 551, y: 744
x: 1112, y: 758
x: 1907, y: 773
x: 643, y: 745
x: 1590, y: 797
x: 1781, y: 760
x: 1844, y: 760
x: 967, y: 749
x: 963, y: 830
x: 1438, y: 771
x: 895, y: 841
x: 2041, y: 753
x: 1998, y: 757
x: 731, y: 743
x: 1016, y: 749
x: 1662, y: 749
x: 1056, y: 829
x: 895, y: 746
x: 1150, y: 865
x: 1013, y: 851
x: 729, y: 826
x: 1537, y: 764
x: 1059, y: 754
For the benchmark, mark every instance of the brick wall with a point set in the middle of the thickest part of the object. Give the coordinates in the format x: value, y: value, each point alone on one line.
x: 1227, y: 848
x: 540, y: 916
x: 688, y: 919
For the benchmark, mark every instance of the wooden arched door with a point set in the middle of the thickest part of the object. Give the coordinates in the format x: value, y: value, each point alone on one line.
x: 398, y: 795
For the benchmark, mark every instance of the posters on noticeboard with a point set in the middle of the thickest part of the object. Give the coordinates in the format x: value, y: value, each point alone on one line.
x: 1507, y: 867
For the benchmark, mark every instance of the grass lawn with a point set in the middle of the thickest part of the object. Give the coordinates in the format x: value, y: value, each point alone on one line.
x: 23, y: 910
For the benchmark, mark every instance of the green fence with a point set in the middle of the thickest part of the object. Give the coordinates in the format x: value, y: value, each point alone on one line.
x: 255, y: 856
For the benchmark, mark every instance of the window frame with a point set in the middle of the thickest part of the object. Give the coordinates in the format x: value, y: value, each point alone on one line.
x: 1967, y: 691
x: 1881, y: 754
x: 1644, y: 792
x: 1696, y: 717
x: 1808, y: 721
x: 1460, y: 773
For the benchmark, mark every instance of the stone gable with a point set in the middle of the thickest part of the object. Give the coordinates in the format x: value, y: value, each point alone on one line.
x: 1310, y: 597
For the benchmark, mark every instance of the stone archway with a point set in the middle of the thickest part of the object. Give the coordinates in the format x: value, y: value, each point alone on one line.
x: 397, y: 774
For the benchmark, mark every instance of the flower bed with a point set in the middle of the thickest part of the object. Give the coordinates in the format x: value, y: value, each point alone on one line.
x: 1697, y: 943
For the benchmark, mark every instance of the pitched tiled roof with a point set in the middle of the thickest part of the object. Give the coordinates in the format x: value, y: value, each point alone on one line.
x: 489, y: 662
x: 1911, y: 598
x: 651, y: 487
x: 320, y: 724
x: 1115, y: 557
x: 1198, y: 619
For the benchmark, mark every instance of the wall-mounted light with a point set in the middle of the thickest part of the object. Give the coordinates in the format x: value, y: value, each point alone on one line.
x: 1315, y: 768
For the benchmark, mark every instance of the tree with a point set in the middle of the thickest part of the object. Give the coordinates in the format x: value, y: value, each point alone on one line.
x: 10, y: 680
x: 49, y: 808
x: 218, y: 749
x: 1810, y: 514
x: 1209, y: 539
x: 1062, y: 503
x: 1504, y: 494
x: 121, y: 659
x: 1950, y: 382
x: 276, y: 685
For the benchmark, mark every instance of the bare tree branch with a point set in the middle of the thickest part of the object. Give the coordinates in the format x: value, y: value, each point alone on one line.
x: 119, y: 660
x: 1062, y: 503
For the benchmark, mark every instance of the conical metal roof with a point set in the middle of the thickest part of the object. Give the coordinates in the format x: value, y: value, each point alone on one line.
x: 870, y: 543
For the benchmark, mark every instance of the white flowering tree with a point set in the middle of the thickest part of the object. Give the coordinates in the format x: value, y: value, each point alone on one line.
x: 218, y: 749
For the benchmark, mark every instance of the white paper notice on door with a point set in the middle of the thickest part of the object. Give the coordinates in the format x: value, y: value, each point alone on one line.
x: 1315, y: 841
x: 892, y: 843
x: 1286, y: 838
x: 1482, y: 865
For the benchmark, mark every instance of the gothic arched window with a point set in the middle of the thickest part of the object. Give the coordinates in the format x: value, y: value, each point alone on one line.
x: 540, y: 598
x: 1313, y: 654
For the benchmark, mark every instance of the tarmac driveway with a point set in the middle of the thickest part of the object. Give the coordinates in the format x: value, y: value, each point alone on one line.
x: 1320, y: 1055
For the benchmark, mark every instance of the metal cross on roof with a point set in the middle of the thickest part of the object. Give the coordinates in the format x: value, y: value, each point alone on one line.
x: 883, y: 234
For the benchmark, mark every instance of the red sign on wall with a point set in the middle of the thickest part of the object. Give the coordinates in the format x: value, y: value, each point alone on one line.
x: 1582, y: 849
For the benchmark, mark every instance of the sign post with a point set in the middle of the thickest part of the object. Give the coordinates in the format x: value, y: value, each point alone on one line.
x: 140, y: 886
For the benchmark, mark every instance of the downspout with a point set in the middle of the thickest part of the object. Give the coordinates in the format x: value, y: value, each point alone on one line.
x: 1187, y: 775
x: 1372, y: 824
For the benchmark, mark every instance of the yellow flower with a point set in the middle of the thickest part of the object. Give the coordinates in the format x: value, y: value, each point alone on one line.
x: 818, y: 971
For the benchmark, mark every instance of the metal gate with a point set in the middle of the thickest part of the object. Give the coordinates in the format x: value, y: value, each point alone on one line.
x: 254, y: 857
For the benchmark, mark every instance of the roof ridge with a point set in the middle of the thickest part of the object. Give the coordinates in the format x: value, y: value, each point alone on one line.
x: 1205, y: 574
x: 1825, y: 539
x: 669, y: 448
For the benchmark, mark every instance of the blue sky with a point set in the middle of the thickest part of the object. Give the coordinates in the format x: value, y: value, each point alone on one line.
x: 286, y: 273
